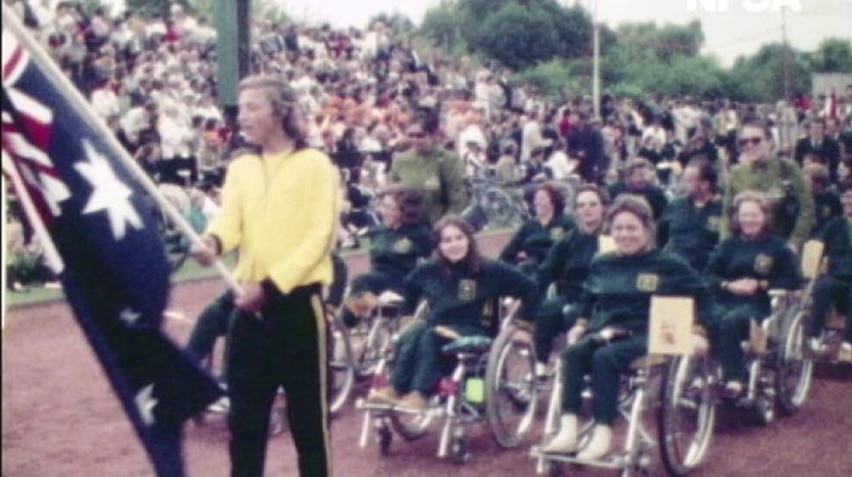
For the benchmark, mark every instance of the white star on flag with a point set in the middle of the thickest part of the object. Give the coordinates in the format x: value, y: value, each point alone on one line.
x: 146, y: 403
x: 109, y: 193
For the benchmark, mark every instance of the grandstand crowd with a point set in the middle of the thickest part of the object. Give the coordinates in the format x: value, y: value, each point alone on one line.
x: 154, y: 83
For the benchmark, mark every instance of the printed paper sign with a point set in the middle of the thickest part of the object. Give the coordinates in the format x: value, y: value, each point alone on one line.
x: 670, y: 328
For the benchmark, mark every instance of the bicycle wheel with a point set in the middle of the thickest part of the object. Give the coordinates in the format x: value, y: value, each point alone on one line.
x: 687, y: 413
x: 511, y: 393
x: 795, y: 366
x: 341, y: 374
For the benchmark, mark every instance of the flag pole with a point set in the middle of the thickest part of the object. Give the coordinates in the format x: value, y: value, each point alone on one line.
x: 64, y: 85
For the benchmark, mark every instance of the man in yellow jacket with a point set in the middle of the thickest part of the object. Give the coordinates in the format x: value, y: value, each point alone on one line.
x: 279, y: 210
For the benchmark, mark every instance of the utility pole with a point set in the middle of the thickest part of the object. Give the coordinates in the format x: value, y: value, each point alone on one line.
x: 787, y: 95
x: 596, y: 72
x: 233, y: 52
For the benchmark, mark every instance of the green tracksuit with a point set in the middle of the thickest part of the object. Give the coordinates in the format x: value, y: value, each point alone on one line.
x: 617, y: 293
x: 566, y: 265
x: 456, y: 298
x: 767, y: 259
x: 835, y: 286
x: 535, y: 239
x: 689, y: 231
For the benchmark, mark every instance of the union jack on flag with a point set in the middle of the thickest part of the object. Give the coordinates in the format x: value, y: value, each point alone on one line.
x: 101, y: 228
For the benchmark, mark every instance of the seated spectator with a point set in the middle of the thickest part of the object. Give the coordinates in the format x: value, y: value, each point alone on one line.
x: 638, y: 180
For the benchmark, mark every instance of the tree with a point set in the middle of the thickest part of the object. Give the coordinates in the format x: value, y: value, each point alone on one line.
x: 518, y: 37
x: 761, y: 77
x: 834, y: 55
x: 442, y: 26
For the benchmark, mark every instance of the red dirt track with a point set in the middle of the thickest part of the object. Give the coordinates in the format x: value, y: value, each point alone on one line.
x: 60, y: 418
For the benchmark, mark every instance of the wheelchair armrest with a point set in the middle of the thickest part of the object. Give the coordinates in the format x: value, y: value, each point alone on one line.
x: 468, y: 344
x: 389, y: 298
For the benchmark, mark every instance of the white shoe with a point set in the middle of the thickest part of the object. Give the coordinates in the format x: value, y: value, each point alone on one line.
x: 599, y: 445
x: 844, y: 354
x: 565, y: 441
x: 816, y: 346
x: 220, y: 406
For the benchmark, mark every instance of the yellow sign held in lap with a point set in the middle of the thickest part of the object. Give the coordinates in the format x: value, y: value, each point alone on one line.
x: 811, y: 258
x: 670, y: 327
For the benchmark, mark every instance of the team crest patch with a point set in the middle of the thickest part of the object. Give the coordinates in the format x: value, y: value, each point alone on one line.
x: 713, y: 223
x: 647, y: 282
x: 402, y: 245
x: 467, y: 289
x: 432, y: 183
x: 762, y: 264
x: 556, y: 233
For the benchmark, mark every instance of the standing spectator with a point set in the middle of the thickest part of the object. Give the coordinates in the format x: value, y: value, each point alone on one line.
x: 818, y: 142
x: 436, y: 173
x: 288, y: 192
x: 780, y: 179
x: 585, y: 145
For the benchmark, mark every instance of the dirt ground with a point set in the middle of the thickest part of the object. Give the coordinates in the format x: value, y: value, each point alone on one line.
x: 59, y: 418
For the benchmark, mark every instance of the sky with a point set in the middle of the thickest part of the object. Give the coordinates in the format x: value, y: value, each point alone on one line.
x: 731, y: 27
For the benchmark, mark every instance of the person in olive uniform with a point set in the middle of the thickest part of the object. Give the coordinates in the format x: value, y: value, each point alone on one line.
x: 396, y: 246
x: 566, y: 266
x: 438, y: 174
x: 613, y: 328
x: 689, y: 227
x: 532, y: 242
x: 456, y: 284
x: 835, y: 286
x: 741, y: 271
x: 280, y: 211
x: 780, y: 179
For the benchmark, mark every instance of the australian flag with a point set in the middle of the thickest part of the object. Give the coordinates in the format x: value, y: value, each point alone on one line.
x: 102, y: 238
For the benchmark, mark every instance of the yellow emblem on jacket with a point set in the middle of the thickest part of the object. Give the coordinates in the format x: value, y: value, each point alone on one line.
x: 402, y: 245
x: 556, y: 233
x: 713, y: 223
x: 432, y: 183
x: 467, y: 289
x: 647, y: 282
x: 762, y: 264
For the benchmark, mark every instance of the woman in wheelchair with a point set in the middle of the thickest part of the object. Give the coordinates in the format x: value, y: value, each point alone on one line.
x: 567, y: 265
x: 455, y: 284
x: 531, y: 243
x: 395, y: 248
x: 835, y: 286
x: 740, y: 272
x: 613, y: 330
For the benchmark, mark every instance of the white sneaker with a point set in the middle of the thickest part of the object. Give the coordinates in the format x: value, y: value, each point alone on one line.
x: 565, y: 441
x: 844, y: 354
x: 599, y: 445
x: 816, y: 345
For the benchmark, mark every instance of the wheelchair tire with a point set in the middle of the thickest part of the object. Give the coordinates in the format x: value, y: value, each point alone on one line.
x: 686, y: 414
x: 368, y: 353
x: 341, y: 372
x: 795, y: 365
x: 511, y: 391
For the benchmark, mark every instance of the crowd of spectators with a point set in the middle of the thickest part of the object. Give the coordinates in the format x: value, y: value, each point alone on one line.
x: 154, y: 83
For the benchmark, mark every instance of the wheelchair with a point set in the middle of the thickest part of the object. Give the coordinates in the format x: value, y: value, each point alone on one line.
x: 340, y: 378
x: 680, y: 391
x: 779, y: 364
x: 490, y: 381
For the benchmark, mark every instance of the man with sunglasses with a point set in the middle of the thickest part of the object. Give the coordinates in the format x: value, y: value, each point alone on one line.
x: 780, y: 179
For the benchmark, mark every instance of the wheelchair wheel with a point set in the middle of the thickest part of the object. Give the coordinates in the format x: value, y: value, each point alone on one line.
x: 500, y: 209
x: 341, y: 375
x: 511, y: 393
x: 368, y: 352
x: 686, y: 414
x: 795, y: 366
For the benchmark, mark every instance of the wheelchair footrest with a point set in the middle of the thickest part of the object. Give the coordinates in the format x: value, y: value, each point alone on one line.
x: 612, y: 461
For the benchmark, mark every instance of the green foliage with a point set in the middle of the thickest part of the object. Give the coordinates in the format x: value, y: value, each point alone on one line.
x: 443, y: 26
x: 553, y: 79
x: 398, y: 23
x: 834, y: 55
x: 761, y: 77
x: 518, y: 37
x: 148, y: 8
